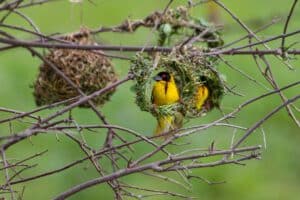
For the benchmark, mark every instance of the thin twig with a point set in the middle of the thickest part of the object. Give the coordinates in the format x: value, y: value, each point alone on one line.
x: 286, y: 25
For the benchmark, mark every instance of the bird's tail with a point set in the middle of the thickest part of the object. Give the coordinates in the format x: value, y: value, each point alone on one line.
x: 167, y: 123
x: 164, y: 124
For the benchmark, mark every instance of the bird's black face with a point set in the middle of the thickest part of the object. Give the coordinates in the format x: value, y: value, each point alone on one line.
x: 162, y: 76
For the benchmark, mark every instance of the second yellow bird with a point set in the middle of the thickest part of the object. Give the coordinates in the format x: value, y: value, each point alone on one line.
x: 201, y: 96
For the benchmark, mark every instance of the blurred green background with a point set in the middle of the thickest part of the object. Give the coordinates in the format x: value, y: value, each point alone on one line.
x: 276, y: 176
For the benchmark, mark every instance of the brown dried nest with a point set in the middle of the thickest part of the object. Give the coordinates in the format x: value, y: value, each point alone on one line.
x: 90, y: 71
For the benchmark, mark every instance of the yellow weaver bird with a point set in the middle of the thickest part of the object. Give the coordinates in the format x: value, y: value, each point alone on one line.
x: 201, y: 96
x: 165, y: 92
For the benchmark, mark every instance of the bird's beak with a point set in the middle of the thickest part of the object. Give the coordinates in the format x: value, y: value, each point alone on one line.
x: 157, y: 78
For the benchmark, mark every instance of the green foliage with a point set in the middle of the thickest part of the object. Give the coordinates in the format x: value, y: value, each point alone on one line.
x: 178, y: 22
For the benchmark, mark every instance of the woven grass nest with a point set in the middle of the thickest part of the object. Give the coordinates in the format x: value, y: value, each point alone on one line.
x: 189, y: 71
x: 90, y: 71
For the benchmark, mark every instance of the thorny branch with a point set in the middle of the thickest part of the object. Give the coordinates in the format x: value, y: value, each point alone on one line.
x: 116, y: 149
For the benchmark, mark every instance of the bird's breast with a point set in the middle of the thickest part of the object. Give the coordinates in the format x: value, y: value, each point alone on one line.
x: 165, y: 93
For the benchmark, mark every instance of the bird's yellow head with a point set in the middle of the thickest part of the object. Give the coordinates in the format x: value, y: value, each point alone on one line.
x: 163, y: 76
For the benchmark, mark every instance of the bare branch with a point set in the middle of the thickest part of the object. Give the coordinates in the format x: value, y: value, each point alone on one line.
x: 287, y: 23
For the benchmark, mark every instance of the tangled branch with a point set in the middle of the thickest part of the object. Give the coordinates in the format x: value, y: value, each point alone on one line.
x: 120, y: 141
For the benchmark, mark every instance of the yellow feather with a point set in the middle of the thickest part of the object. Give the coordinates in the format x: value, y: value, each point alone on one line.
x: 165, y: 93
x: 164, y: 124
x: 201, y: 96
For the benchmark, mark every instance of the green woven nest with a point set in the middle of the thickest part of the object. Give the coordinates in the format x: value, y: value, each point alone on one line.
x: 90, y: 71
x: 189, y: 71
